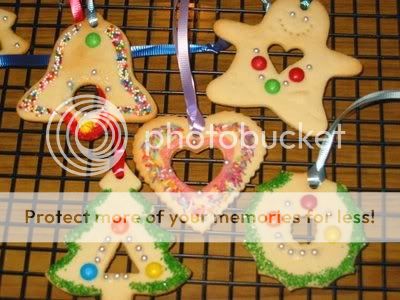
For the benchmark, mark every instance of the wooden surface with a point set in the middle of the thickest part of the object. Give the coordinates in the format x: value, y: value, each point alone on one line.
x: 370, y: 159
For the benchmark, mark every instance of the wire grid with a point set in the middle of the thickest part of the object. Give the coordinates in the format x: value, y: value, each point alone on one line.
x: 368, y: 160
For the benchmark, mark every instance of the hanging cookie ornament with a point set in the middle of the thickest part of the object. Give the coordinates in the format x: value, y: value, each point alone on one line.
x: 296, y: 93
x: 159, y: 140
x: 332, y: 252
x: 10, y: 42
x: 90, y: 52
x: 93, y: 245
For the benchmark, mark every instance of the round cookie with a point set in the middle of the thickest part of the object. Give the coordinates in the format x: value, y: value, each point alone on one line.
x: 83, y: 56
x: 172, y: 134
x: 296, y: 93
x: 296, y: 264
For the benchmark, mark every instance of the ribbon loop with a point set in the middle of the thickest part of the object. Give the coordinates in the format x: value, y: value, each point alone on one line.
x: 316, y: 174
x: 77, y: 10
x: 91, y: 13
x: 181, y: 41
x: 305, y: 4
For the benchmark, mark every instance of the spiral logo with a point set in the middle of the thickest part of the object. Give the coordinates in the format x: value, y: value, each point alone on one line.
x: 87, y: 118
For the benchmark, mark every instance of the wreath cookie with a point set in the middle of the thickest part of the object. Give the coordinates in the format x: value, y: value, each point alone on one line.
x: 300, y: 264
x: 296, y: 93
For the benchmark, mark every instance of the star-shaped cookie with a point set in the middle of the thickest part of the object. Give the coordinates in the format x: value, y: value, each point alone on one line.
x: 10, y: 43
x: 296, y: 93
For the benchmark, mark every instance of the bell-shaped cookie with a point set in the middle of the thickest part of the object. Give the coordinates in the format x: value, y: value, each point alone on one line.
x: 83, y: 56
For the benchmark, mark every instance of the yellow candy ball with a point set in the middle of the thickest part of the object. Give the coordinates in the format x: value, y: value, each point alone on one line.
x: 332, y: 234
x: 87, y: 127
x: 154, y: 270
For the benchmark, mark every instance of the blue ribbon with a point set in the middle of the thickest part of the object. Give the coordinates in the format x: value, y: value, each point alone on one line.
x: 42, y: 61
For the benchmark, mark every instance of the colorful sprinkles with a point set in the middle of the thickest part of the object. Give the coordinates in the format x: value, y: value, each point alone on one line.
x: 142, y: 106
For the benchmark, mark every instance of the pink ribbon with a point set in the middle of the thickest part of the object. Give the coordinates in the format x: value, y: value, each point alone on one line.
x: 77, y: 11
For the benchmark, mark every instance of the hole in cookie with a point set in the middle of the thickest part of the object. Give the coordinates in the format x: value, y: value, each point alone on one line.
x: 83, y: 104
x: 282, y: 59
x: 121, y: 260
x: 197, y: 163
x: 305, y: 230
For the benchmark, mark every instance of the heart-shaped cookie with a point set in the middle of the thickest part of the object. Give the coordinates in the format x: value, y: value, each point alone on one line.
x: 235, y: 135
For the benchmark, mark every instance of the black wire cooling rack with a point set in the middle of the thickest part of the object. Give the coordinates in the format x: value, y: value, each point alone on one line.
x: 369, y: 159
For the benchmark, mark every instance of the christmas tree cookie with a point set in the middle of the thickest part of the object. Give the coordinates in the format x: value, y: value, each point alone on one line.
x: 92, y: 246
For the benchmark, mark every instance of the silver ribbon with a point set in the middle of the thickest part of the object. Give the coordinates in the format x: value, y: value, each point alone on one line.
x: 91, y: 13
x: 316, y: 174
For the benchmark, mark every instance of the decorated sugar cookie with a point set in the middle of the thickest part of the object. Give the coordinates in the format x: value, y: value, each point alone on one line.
x: 86, y: 55
x: 10, y: 42
x: 235, y: 135
x: 312, y: 263
x: 92, y: 247
x: 296, y: 93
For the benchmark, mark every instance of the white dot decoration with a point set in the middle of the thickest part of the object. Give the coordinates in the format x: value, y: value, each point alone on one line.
x: 5, y: 18
x: 116, y: 276
x: 94, y: 72
x: 256, y: 50
x: 108, y: 89
x: 314, y: 251
x: 17, y: 45
x: 97, y: 259
x: 288, y: 203
x: 138, y: 248
x: 309, y: 67
x: 286, y: 83
x: 102, y: 249
x: 108, y: 239
x: 126, y: 276
x: 105, y: 276
x: 302, y: 252
x: 129, y: 239
x: 306, y: 19
x: 281, y: 246
x: 278, y: 235
x: 292, y: 14
x: 261, y: 77
x: 144, y: 258
x: 290, y: 252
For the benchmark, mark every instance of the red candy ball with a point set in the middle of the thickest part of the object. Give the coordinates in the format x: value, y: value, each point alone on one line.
x: 309, y: 202
x: 259, y: 63
x: 119, y: 225
x: 296, y: 75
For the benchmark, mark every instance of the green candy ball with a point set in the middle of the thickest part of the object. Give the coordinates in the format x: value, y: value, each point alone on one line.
x: 272, y: 86
x: 93, y: 40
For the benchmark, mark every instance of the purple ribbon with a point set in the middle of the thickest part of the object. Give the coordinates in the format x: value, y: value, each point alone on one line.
x: 181, y: 41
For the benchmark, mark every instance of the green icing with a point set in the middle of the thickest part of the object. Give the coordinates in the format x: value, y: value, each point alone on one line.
x: 179, y: 272
x: 292, y: 281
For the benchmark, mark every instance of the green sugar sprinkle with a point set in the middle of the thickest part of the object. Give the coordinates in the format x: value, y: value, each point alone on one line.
x: 292, y: 281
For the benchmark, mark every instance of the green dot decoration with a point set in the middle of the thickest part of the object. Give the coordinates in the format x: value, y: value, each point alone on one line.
x: 272, y: 86
x: 93, y: 40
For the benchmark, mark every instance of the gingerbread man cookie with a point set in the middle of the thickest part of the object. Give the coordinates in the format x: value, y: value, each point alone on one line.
x: 10, y: 42
x: 84, y: 55
x: 296, y: 93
